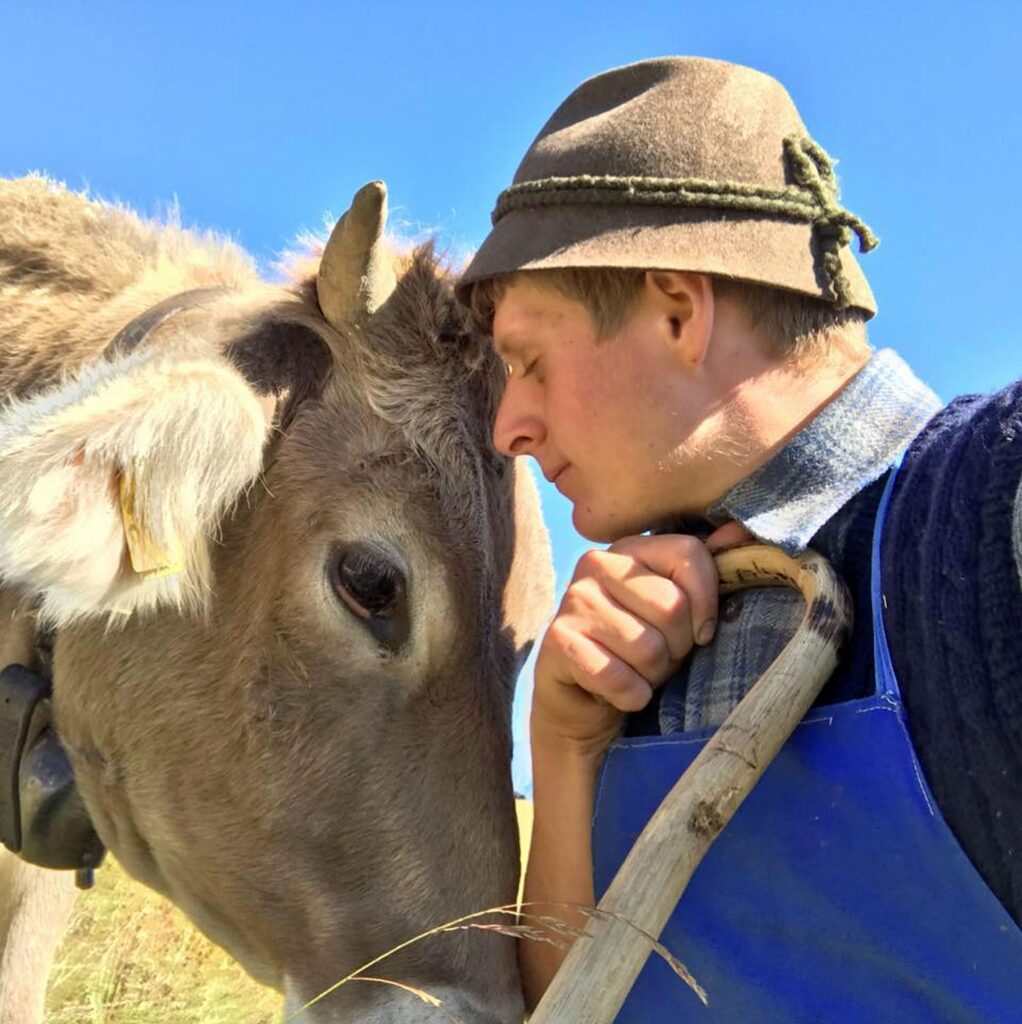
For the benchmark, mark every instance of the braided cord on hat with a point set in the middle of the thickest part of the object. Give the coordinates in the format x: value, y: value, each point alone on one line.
x: 812, y: 199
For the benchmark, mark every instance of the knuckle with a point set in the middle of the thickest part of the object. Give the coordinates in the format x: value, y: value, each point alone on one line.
x: 681, y: 606
x: 624, y: 691
x: 579, y: 661
x: 689, y: 542
x: 561, y: 646
x: 651, y: 654
x: 560, y: 634
x: 614, y: 682
x: 690, y: 550
x: 590, y: 564
x: 672, y: 603
x: 583, y: 598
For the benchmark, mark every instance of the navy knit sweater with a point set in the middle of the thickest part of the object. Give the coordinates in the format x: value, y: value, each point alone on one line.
x: 954, y: 622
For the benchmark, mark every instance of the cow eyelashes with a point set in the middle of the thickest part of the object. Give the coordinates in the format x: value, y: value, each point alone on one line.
x: 371, y: 583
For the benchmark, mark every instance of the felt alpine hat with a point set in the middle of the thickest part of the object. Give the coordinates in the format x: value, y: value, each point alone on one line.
x: 680, y: 163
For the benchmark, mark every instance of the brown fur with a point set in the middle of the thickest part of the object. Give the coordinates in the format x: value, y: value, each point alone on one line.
x: 309, y: 798
x: 73, y: 272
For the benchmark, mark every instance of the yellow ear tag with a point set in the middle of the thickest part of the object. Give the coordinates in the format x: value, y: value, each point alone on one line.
x: 148, y: 559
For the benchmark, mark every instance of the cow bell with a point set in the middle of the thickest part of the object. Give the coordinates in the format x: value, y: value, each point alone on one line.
x: 42, y: 815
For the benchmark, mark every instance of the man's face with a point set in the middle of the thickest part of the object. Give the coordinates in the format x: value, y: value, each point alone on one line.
x: 613, y: 423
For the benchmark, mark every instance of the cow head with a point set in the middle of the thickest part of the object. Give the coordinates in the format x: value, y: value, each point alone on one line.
x: 293, y: 584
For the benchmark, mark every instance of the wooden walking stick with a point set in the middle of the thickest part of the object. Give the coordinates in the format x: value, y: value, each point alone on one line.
x: 603, y: 963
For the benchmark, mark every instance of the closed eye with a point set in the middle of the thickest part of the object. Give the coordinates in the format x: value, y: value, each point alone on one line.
x: 527, y: 368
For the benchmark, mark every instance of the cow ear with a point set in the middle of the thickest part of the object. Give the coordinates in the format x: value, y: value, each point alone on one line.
x: 113, y: 483
x: 282, y: 358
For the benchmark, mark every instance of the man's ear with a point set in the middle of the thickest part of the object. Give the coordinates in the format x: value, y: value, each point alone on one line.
x: 686, y: 305
x: 112, y: 484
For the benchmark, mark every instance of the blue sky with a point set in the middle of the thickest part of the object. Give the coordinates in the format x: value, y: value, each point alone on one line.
x: 261, y: 119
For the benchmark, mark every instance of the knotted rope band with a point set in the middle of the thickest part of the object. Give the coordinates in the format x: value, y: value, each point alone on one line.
x: 812, y: 199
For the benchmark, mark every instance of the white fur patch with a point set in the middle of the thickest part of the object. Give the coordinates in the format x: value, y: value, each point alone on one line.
x: 191, y: 433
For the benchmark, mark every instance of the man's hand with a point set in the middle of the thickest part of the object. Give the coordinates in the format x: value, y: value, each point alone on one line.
x: 629, y: 617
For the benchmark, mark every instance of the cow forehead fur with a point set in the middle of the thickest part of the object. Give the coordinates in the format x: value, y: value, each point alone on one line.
x: 419, y: 366
x: 63, y: 255
x: 74, y: 271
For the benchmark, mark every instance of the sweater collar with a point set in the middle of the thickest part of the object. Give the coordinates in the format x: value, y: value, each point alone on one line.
x: 847, y: 446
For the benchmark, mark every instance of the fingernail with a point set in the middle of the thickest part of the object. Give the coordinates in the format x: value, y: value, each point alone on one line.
x: 706, y: 633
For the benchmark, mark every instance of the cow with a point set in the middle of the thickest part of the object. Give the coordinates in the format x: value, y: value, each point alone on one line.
x: 285, y: 584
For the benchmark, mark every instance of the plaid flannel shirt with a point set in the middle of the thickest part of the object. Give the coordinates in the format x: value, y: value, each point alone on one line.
x: 848, y: 446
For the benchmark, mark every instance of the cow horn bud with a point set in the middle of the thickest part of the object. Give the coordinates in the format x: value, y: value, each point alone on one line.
x: 356, y: 275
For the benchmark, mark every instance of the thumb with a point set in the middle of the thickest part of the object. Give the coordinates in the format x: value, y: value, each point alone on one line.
x: 730, y: 535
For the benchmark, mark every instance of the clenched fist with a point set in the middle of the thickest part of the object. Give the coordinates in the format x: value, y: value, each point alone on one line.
x: 629, y: 617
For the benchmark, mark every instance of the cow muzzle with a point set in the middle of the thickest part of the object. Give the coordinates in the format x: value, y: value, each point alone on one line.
x: 42, y: 815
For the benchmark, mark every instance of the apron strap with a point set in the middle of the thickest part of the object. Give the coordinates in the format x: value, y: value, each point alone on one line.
x: 886, y: 680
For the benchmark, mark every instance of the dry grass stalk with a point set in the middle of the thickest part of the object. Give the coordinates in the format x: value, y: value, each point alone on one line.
x: 538, y: 928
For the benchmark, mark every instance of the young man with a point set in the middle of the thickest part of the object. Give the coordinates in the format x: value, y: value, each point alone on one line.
x: 670, y: 283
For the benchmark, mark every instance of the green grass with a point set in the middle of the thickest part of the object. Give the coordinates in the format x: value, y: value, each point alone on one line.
x: 130, y: 957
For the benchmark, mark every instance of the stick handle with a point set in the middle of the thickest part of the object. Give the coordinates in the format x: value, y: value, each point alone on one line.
x: 602, y: 965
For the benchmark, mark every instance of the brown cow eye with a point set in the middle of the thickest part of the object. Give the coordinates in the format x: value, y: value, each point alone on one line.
x: 371, y: 584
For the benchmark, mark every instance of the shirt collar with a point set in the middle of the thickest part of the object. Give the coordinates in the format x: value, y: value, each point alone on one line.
x: 847, y: 446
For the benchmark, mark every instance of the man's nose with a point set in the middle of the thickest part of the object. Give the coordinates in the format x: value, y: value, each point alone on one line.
x: 517, y: 429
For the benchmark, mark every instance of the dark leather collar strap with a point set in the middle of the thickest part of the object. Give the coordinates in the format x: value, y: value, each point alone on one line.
x: 20, y: 693
x: 129, y: 337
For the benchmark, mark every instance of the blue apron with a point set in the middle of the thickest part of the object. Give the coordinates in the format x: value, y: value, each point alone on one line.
x: 837, y: 893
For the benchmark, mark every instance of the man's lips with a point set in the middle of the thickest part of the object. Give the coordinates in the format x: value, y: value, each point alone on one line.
x: 554, y: 474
